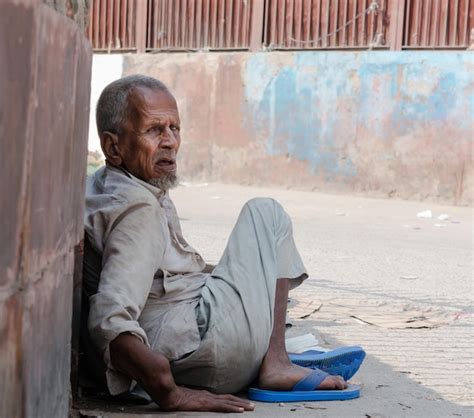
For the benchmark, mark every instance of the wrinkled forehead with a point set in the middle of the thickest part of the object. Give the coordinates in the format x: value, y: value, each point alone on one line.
x: 145, y: 102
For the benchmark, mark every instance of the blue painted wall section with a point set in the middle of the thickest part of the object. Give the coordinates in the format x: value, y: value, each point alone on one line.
x: 328, y: 108
x: 396, y: 124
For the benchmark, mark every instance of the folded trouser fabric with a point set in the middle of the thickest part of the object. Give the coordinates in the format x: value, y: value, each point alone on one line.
x: 235, y: 311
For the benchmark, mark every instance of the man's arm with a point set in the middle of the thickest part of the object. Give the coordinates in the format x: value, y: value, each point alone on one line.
x: 132, y: 254
x: 152, y: 371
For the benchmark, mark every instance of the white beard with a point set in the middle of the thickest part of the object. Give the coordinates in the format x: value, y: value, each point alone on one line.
x: 165, y: 183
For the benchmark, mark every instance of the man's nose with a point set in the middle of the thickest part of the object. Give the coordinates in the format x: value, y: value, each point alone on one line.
x: 168, y: 139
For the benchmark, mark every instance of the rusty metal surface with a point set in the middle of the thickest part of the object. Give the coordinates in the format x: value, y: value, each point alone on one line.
x: 76, y: 10
x: 11, y: 314
x: 112, y: 25
x: 45, y: 66
x: 16, y: 82
x: 177, y: 25
x: 440, y: 24
x: 199, y: 24
x: 46, y: 341
x: 326, y: 24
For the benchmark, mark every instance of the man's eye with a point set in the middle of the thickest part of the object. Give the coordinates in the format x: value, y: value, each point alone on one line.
x: 174, y: 128
x: 153, y: 129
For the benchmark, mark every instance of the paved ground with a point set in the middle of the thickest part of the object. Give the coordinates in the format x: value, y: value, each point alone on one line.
x: 366, y: 252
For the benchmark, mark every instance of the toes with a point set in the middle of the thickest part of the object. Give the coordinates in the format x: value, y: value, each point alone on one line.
x: 333, y: 382
x: 341, y: 383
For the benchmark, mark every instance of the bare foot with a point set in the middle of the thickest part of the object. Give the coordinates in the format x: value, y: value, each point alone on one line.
x: 283, y: 375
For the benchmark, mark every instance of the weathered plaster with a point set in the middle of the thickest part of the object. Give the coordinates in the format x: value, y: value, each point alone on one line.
x: 393, y: 124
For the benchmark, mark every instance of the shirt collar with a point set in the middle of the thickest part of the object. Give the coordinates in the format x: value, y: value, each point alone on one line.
x: 158, y: 193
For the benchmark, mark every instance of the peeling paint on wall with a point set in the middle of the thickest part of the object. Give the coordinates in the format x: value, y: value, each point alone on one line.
x: 393, y: 124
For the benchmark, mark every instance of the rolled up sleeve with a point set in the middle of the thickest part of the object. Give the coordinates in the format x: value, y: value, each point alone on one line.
x: 132, y: 254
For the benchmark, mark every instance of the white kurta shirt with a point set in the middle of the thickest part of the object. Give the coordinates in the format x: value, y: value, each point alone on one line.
x: 147, y: 267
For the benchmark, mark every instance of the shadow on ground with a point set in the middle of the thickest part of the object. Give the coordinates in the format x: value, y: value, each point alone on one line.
x: 385, y: 394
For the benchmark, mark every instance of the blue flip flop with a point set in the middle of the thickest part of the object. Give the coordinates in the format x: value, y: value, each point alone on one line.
x: 304, y: 391
x: 344, y: 361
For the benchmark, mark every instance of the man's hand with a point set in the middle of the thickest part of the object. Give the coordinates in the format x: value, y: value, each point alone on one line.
x: 152, y: 371
x: 185, y: 399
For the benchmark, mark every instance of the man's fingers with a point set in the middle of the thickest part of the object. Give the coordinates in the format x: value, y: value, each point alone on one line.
x: 225, y: 405
x: 239, y: 402
x: 248, y: 406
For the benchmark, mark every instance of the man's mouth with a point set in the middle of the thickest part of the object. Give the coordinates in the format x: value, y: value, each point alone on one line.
x: 166, y: 163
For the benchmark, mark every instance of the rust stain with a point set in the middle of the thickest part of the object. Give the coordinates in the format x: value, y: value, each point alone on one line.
x: 44, y: 110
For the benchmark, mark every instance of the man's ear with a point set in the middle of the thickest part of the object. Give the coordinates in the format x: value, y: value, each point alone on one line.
x: 110, y: 148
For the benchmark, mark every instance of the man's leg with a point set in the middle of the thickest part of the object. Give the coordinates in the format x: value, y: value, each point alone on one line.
x: 277, y: 371
x: 243, y: 305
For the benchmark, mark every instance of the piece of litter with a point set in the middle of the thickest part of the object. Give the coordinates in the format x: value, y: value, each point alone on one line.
x: 304, y: 310
x: 302, y: 343
x: 281, y: 404
x: 443, y: 217
x: 314, y: 407
x: 426, y: 214
x: 188, y: 184
x: 409, y: 277
x: 440, y: 225
x: 411, y: 226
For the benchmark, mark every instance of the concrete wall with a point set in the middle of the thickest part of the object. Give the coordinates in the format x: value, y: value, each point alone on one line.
x: 395, y: 124
x: 44, y: 107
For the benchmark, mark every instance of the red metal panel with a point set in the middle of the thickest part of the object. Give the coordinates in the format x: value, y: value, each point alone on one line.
x: 236, y: 24
x: 198, y: 24
x: 425, y: 40
x: 289, y: 23
x: 123, y: 23
x: 325, y: 23
x: 281, y: 22
x: 286, y: 24
x: 316, y: 24
x: 228, y: 22
x: 191, y: 12
x: 437, y: 23
x: 344, y: 20
x: 205, y: 23
x: 453, y: 22
x: 112, y: 24
x: 246, y: 24
x: 334, y: 22
x: 306, y: 30
x: 220, y: 24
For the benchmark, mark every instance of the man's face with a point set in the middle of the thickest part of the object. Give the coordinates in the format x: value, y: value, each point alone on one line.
x: 150, y: 138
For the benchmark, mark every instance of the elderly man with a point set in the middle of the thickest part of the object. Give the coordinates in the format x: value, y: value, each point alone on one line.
x: 159, y: 316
